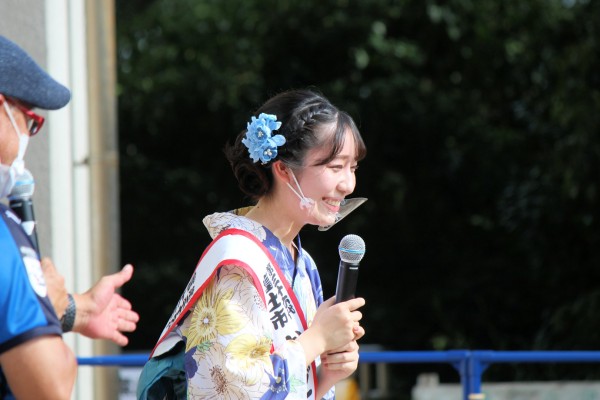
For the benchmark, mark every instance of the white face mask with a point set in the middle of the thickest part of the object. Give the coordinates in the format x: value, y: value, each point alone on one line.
x: 9, y: 174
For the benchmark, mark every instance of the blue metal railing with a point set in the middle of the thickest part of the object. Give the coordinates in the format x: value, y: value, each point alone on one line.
x: 470, y: 364
x: 480, y: 360
x: 120, y: 360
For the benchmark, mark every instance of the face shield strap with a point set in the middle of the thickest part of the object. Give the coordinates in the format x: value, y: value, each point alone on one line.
x: 306, y: 203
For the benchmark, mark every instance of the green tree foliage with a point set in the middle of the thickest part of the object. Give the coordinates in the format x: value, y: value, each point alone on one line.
x: 481, y: 118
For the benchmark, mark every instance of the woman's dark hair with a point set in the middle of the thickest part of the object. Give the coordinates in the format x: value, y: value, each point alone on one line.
x: 305, y: 115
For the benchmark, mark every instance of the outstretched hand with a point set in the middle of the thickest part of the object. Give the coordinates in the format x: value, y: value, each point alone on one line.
x: 104, y: 314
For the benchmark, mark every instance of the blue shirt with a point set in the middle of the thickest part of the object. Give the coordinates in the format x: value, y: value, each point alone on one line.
x: 25, y: 309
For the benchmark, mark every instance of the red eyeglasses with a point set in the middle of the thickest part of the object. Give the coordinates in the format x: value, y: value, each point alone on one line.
x: 34, y: 121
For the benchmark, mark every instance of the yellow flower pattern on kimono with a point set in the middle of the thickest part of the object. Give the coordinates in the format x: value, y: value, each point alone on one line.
x: 212, y: 315
x: 214, y: 380
x: 250, y: 354
x: 250, y: 301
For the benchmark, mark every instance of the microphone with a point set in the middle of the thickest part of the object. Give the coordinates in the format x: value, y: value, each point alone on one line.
x: 21, y: 204
x: 352, y: 250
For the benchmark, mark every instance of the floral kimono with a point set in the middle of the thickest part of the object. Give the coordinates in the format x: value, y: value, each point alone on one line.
x: 239, y: 320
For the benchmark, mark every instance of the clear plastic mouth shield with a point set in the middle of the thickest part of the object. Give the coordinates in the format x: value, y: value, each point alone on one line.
x: 347, y: 206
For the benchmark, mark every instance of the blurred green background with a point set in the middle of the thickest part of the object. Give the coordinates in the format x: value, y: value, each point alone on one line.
x: 481, y: 119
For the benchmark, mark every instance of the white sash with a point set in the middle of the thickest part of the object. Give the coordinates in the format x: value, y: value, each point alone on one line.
x: 241, y: 248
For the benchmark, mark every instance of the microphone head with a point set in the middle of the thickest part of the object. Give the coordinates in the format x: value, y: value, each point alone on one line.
x: 24, y: 186
x: 352, y: 249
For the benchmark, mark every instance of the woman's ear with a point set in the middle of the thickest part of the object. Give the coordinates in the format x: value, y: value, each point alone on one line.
x: 281, y: 172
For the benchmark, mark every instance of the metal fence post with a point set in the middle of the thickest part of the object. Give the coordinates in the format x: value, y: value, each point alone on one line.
x: 476, y: 369
x: 461, y: 363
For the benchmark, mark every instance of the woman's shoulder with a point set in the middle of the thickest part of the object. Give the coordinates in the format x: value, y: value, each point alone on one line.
x: 218, y: 222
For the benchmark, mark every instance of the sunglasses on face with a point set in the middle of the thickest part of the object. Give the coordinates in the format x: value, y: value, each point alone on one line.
x: 34, y: 121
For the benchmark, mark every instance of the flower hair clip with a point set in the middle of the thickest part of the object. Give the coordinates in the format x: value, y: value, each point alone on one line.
x: 259, y: 141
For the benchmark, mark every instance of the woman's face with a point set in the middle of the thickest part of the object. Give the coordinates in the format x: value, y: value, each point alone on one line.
x: 328, y: 184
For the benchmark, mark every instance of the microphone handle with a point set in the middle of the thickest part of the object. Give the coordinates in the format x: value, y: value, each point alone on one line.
x: 24, y: 210
x: 346, y: 283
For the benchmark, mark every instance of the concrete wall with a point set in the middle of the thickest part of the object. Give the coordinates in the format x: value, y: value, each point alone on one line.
x: 25, y: 25
x: 74, y: 158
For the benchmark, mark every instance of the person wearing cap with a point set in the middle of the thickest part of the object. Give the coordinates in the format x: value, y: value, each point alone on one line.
x: 35, y: 307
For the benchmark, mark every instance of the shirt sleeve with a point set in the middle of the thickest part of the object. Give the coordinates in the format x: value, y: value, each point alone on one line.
x: 230, y: 346
x: 26, y: 310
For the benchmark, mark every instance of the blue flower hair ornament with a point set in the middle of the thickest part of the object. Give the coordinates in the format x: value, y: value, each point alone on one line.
x: 262, y: 146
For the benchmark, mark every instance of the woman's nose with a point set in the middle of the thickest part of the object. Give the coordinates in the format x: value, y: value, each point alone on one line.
x: 347, y: 184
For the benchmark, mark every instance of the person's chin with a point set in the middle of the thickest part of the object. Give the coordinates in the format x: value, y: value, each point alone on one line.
x: 324, y: 218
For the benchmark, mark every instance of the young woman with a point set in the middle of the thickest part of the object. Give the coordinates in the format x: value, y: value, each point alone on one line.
x: 252, y: 322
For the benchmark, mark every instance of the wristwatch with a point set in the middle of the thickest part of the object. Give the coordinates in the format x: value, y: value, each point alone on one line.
x: 68, y: 319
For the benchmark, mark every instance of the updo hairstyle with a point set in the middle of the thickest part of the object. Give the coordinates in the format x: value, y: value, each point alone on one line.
x: 305, y: 116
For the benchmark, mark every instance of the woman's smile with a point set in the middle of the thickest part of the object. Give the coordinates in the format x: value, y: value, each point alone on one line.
x: 332, y: 204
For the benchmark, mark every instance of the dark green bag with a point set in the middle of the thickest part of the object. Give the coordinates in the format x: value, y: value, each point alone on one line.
x: 163, y: 377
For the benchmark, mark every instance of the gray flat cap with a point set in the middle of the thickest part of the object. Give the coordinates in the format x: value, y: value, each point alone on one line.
x: 21, y: 78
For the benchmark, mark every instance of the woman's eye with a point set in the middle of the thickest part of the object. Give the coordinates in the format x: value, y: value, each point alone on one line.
x: 336, y: 167
x: 354, y: 168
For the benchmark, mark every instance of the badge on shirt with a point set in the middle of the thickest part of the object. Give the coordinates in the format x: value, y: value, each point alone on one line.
x: 34, y: 271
